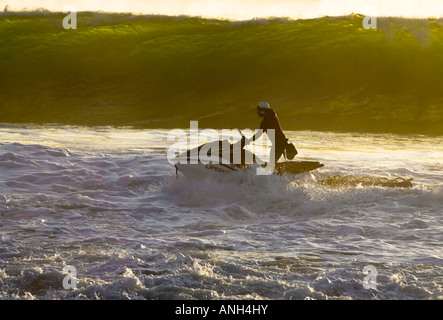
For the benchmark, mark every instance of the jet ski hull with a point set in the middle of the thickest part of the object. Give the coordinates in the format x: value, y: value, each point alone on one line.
x: 200, y: 171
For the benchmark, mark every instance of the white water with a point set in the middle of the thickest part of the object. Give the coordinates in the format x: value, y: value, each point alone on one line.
x: 107, y: 201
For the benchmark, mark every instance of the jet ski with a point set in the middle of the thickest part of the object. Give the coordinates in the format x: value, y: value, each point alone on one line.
x: 221, y: 158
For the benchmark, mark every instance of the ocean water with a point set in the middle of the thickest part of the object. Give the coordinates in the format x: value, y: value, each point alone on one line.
x: 325, y: 74
x: 106, y: 201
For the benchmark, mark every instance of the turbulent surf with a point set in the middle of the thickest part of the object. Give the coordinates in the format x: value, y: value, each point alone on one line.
x: 108, y: 202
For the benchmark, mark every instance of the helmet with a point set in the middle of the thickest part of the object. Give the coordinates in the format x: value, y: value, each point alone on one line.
x: 290, y: 151
x: 263, y: 105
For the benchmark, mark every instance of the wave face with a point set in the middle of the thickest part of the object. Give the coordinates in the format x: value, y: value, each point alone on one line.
x: 162, y: 72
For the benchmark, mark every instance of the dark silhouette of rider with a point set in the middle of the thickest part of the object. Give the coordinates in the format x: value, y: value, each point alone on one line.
x: 280, y: 145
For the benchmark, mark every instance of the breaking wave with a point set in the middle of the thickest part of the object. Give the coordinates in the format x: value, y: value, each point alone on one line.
x: 161, y: 72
